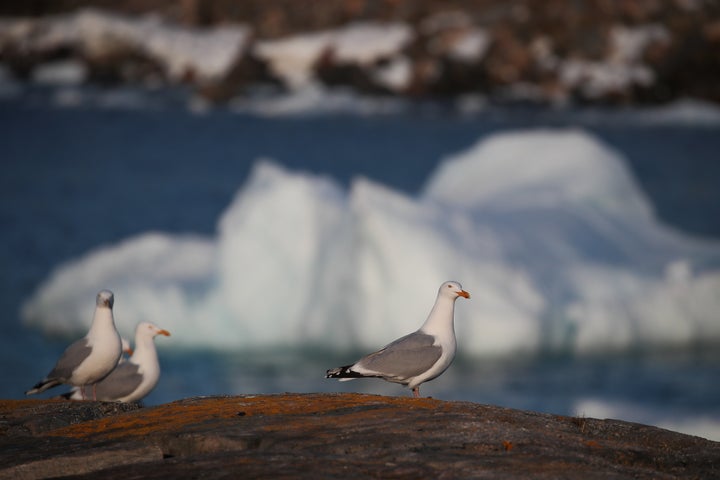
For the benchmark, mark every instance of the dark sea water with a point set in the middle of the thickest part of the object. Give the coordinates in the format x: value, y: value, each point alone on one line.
x: 74, y: 178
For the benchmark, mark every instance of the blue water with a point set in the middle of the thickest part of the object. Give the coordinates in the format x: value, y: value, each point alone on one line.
x: 76, y: 178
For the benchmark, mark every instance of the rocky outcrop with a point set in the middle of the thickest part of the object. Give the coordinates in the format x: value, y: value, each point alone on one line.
x: 333, y: 435
x: 556, y: 51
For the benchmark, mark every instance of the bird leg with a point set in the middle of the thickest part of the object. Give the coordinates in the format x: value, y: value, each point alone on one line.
x: 416, y: 391
x: 94, y: 395
x: 82, y: 392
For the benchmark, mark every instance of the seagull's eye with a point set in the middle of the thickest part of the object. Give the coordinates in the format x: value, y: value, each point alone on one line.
x: 449, y: 286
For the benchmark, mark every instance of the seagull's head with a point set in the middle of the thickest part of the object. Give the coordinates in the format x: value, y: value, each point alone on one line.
x: 147, y: 329
x: 453, y: 290
x: 105, y: 299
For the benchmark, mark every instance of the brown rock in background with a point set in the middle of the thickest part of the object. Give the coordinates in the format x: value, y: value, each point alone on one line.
x: 687, y: 64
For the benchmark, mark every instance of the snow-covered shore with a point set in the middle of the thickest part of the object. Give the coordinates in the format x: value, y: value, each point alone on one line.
x: 450, y: 52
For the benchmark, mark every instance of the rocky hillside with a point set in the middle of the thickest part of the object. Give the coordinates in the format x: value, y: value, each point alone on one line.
x: 334, y: 435
x: 556, y: 51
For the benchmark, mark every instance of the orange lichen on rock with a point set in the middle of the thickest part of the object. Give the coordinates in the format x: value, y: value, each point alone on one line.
x: 7, y: 406
x: 329, y: 435
x: 177, y: 415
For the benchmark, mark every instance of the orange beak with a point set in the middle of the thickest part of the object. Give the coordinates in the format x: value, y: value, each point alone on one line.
x: 164, y: 332
x: 463, y: 293
x: 128, y: 350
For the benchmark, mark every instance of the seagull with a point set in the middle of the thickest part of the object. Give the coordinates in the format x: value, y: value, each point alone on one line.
x: 418, y: 357
x: 133, y: 379
x: 90, y: 359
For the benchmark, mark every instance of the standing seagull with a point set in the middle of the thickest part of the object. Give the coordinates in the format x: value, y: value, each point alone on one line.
x: 90, y: 359
x: 134, y: 379
x: 418, y: 357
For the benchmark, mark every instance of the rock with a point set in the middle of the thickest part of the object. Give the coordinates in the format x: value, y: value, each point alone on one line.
x: 19, y: 417
x: 324, y: 435
x: 81, y: 460
x: 591, y: 51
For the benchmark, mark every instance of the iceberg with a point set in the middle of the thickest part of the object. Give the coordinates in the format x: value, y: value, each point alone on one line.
x: 547, y: 229
x: 158, y: 275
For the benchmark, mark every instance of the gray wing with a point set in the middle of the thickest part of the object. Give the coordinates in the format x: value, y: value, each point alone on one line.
x: 404, y: 358
x: 73, y: 356
x: 121, y: 382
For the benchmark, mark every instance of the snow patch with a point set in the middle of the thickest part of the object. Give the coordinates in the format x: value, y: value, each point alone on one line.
x: 207, y: 54
x: 293, y: 58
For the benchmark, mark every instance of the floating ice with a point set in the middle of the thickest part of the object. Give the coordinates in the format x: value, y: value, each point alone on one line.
x: 567, y: 170
x: 157, y: 275
x: 547, y: 230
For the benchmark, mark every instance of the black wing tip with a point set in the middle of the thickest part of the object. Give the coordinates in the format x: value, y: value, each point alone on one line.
x: 343, y: 372
x: 37, y: 388
x: 42, y: 386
